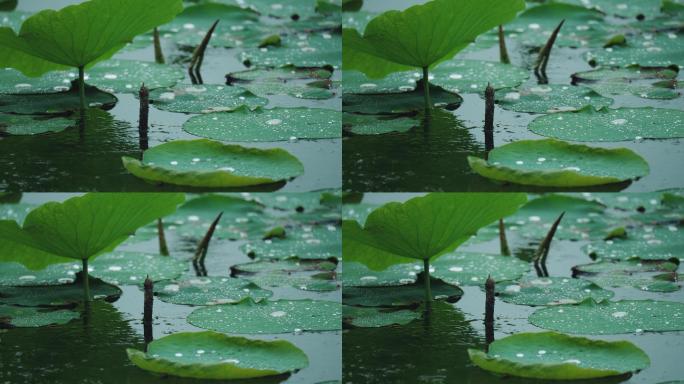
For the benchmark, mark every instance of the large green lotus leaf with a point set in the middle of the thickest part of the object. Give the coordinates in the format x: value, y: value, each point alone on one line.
x: 280, y: 316
x: 403, y: 103
x: 133, y: 268
x: 550, y: 98
x: 355, y: 82
x: 358, y: 275
x: 622, y: 124
x: 554, y: 163
x: 309, y: 242
x: 26, y: 125
x: 57, y: 104
x: 284, y: 74
x: 424, y: 227
x: 550, y: 291
x: 659, y: 50
x: 645, y: 82
x: 208, y: 291
x: 468, y: 268
x: 368, y: 317
x: 397, y: 39
x: 315, y: 50
x: 647, y: 243
x: 17, y: 275
x: 86, y: 226
x: 473, y: 76
x: 631, y: 9
x: 554, y: 356
x: 358, y: 212
x: 206, y: 163
x: 400, y: 296
x: 23, y: 317
x: 646, y: 275
x: 27, y: 255
x: 83, y: 34
x: 612, y: 317
x: 376, y: 125
x: 65, y: 295
x: 188, y: 98
x: 211, y: 355
x: 277, y: 124
x: 312, y: 91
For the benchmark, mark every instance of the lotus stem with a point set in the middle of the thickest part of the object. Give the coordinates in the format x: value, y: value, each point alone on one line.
x: 147, y: 311
x: 426, y: 276
x: 543, y: 250
x: 81, y: 87
x: 163, y: 248
x: 503, y: 51
x: 203, y: 248
x: 198, y: 56
x: 490, y: 290
x: 489, y: 120
x: 503, y: 242
x: 545, y: 54
x: 158, y: 53
x: 426, y: 90
x: 86, y: 281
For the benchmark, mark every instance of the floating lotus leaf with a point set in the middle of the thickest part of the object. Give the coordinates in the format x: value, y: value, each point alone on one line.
x: 319, y: 282
x: 294, y: 9
x: 65, y: 295
x: 285, y: 265
x: 284, y: 74
x: 612, y: 317
x: 217, y: 165
x: 402, y: 296
x: 368, y: 317
x: 309, y: 242
x: 26, y: 125
x: 554, y: 356
x: 280, y: 316
x: 58, y: 104
x: 646, y: 275
x: 647, y: 202
x: 659, y: 50
x: 550, y: 291
x: 403, y: 103
x: 355, y: 82
x: 17, y: 275
x: 293, y: 202
x: 472, y: 76
x: 468, y: 268
x: 645, y: 82
x: 307, y: 275
x: 277, y: 124
x: 23, y: 317
x: 208, y: 291
x: 313, y: 90
x: 622, y: 124
x: 376, y: 125
x: 188, y: 98
x: 550, y: 98
x: 553, y: 163
x: 358, y: 212
x: 647, y: 243
x: 645, y: 8
x: 210, y: 355
x: 358, y: 275
x: 124, y: 268
x: 315, y: 50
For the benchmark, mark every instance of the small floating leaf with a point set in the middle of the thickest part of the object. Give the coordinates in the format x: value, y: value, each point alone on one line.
x: 309, y: 242
x: 550, y: 98
x: 550, y: 291
x: 208, y: 291
x: 649, y: 50
x: 220, y: 165
x: 123, y: 268
x: 286, y: 73
x: 186, y: 98
x: 468, y: 268
x: 367, y: 317
x: 211, y: 355
x: 473, y: 76
x: 25, y: 125
x: 564, y: 165
x: 280, y: 316
x: 304, y: 274
x: 554, y: 356
x: 313, y: 90
x: 23, y: 317
x: 645, y: 8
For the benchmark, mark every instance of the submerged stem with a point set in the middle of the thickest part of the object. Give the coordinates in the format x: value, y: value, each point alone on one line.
x: 426, y: 90
x: 81, y: 87
x: 426, y: 276
x: 86, y: 281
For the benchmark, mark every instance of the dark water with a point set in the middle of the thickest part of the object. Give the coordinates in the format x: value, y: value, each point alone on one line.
x: 433, y: 157
x: 90, y: 159
x: 435, y: 351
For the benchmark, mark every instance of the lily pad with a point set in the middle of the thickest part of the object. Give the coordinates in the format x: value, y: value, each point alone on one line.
x: 550, y: 98
x: 219, y: 165
x: 469, y: 268
x: 648, y: 50
x: 472, y: 76
x: 319, y: 282
x: 123, y: 268
x: 296, y: 9
x: 376, y: 125
x: 277, y: 124
x: 553, y: 163
x: 358, y: 275
x: 631, y: 9
x: 23, y: 317
x: 307, y: 275
x: 554, y: 356
x: 58, y: 104
x: 286, y: 265
x: 208, y: 291
x: 312, y: 91
x: 403, y: 103
x: 280, y: 316
x: 550, y: 291
x: 284, y: 74
x: 309, y: 242
x: 25, y: 125
x: 314, y: 50
x: 645, y: 82
x: 65, y: 295
x: 647, y: 243
x: 186, y: 98
x: 403, y: 296
x: 368, y: 317
x: 17, y: 275
x: 355, y: 82
x: 211, y: 355
x: 622, y: 124
x: 612, y: 317
x: 646, y: 275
